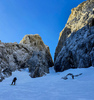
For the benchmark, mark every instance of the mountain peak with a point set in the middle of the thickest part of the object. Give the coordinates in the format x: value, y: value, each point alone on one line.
x: 28, y: 39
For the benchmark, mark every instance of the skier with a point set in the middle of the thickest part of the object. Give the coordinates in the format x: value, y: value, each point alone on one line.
x: 14, y: 81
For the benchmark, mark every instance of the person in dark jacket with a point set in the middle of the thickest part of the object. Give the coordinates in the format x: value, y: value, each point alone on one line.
x: 14, y: 81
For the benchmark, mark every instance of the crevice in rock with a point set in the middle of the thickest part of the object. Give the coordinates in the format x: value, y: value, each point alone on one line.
x: 93, y: 22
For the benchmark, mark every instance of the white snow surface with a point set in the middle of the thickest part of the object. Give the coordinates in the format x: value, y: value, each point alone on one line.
x: 50, y: 86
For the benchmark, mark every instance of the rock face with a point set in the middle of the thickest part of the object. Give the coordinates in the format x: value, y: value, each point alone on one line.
x: 41, y: 59
x: 76, y: 42
x: 27, y: 54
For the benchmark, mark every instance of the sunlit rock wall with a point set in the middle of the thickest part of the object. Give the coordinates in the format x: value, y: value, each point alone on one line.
x: 76, y: 41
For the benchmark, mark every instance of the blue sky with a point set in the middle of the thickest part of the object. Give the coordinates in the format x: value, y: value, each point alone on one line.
x: 44, y: 17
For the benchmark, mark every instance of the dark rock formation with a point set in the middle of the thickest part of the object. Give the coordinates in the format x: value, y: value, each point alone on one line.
x: 75, y: 48
x: 38, y: 64
x: 70, y: 74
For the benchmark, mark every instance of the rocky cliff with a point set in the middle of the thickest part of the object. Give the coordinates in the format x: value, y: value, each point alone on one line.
x: 31, y: 53
x: 76, y: 41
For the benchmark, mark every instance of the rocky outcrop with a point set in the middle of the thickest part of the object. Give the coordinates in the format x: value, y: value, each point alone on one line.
x: 76, y: 42
x: 70, y: 74
x: 41, y: 60
x: 14, y: 56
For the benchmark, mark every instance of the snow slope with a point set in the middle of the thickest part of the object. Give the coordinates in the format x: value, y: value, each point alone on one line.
x: 50, y: 86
